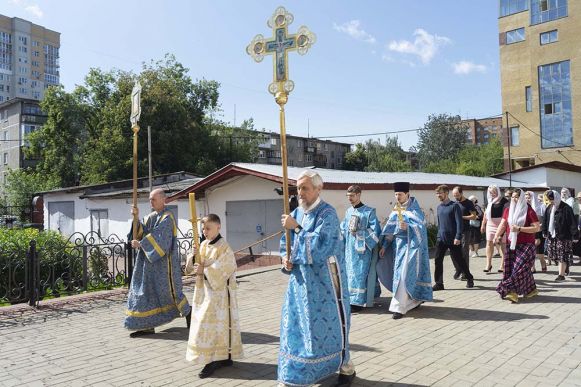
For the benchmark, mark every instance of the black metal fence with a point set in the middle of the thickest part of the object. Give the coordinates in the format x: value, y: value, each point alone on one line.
x: 84, y: 262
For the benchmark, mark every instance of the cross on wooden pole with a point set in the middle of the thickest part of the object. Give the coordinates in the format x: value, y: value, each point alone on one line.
x: 134, y: 119
x: 279, y: 45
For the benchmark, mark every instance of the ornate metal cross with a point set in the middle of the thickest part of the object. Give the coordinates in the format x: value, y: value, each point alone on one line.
x: 280, y: 45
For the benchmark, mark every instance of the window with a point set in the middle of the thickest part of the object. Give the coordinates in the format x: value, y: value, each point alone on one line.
x: 514, y: 136
x: 555, y: 105
x: 508, y: 7
x: 301, y: 155
x: 5, y: 158
x: 515, y: 36
x: 546, y: 10
x: 529, y: 98
x: 100, y: 222
x: 261, y: 154
x: 549, y: 37
x: 273, y: 141
x: 300, y: 143
x: 309, y: 157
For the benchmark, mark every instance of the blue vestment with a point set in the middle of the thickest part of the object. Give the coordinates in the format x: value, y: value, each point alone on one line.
x: 315, y: 322
x: 411, y: 252
x: 155, y: 296
x: 360, y: 229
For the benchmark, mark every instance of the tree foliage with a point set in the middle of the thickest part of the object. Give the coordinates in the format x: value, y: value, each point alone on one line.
x: 372, y: 156
x: 21, y: 185
x: 87, y: 138
x: 442, y: 138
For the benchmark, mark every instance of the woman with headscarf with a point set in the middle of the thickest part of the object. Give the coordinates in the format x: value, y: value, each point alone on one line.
x: 521, y: 223
x: 560, y: 229
x: 490, y: 222
x: 536, y: 205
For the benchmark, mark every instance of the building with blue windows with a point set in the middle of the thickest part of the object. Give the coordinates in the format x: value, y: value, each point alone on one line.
x: 540, y: 64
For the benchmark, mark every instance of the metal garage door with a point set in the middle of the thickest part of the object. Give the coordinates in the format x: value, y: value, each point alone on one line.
x: 61, y: 217
x: 248, y: 221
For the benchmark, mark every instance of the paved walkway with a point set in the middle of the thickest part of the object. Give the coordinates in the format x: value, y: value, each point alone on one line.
x: 466, y: 337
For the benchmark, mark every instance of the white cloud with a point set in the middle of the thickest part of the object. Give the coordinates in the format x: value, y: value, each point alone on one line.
x: 353, y: 29
x: 425, y: 46
x: 31, y: 8
x: 35, y: 10
x: 465, y: 67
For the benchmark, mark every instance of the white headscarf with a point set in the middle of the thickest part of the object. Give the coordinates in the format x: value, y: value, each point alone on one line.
x: 517, y: 215
x: 566, y: 196
x: 490, y: 200
x: 556, y: 203
x: 536, y: 203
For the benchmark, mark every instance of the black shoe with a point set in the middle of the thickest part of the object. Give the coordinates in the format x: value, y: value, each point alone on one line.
x: 457, y: 275
x: 437, y: 287
x: 417, y: 306
x: 356, y: 308
x: 345, y: 380
x: 560, y: 278
x: 209, y: 369
x: 397, y: 316
x: 144, y: 332
x: 189, y: 319
x: 470, y: 283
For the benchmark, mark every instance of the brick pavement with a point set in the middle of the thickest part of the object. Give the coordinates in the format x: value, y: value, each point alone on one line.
x: 466, y: 337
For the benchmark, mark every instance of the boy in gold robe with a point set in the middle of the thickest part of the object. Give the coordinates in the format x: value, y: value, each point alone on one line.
x: 215, y: 330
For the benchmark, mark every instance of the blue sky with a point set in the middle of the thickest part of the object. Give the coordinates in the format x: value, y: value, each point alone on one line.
x: 377, y: 66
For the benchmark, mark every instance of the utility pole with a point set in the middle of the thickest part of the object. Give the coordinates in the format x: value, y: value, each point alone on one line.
x: 149, y: 157
x: 509, y: 137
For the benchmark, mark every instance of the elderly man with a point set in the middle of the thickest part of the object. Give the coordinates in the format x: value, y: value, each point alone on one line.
x: 155, y: 295
x: 314, y: 329
x: 360, y: 229
x: 412, y: 282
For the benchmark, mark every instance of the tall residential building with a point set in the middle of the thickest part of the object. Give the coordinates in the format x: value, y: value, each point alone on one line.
x: 29, y: 59
x: 302, y: 151
x: 482, y: 130
x: 540, y: 64
x: 18, y: 118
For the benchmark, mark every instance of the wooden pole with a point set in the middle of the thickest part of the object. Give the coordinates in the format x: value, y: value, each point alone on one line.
x: 281, y: 99
x: 135, y: 216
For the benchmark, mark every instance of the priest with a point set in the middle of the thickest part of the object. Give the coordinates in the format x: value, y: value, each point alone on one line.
x: 314, y: 329
x: 360, y: 229
x: 412, y: 283
x: 155, y: 296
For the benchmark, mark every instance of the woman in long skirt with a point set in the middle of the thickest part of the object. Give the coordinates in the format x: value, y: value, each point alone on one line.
x: 560, y: 228
x: 521, y: 222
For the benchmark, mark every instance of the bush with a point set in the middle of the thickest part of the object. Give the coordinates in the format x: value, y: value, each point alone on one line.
x: 56, y: 259
x: 432, y: 235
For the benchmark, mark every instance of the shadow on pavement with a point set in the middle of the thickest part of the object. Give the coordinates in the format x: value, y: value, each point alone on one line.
x: 169, y: 334
x: 258, y: 338
x: 542, y: 299
x: 463, y: 314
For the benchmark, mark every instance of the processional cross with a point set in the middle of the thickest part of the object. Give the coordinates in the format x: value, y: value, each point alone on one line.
x: 279, y: 45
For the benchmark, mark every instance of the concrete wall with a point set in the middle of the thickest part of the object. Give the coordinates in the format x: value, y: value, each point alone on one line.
x: 119, y: 220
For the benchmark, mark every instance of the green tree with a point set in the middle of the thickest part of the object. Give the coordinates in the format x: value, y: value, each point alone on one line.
x: 22, y: 184
x: 442, y: 138
x: 481, y: 160
x: 373, y: 156
x: 88, y: 139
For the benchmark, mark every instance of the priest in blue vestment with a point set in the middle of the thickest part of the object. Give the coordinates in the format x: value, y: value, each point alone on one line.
x: 155, y: 296
x: 360, y: 229
x: 412, y: 281
x: 314, y: 329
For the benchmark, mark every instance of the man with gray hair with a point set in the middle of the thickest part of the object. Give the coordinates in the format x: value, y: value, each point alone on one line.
x: 314, y: 330
x: 155, y: 296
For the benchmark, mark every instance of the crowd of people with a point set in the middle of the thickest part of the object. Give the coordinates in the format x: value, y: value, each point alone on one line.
x: 335, y: 268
